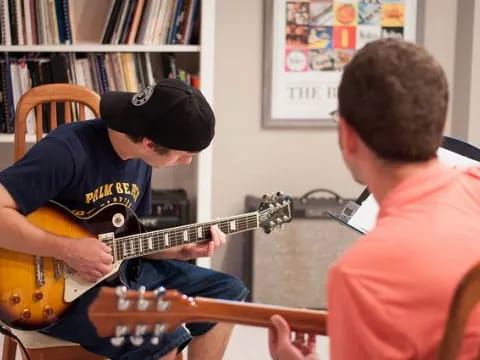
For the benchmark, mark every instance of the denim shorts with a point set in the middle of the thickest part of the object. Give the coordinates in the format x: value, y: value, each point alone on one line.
x: 187, y: 278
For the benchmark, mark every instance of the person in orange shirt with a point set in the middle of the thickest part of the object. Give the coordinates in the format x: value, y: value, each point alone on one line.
x: 389, y: 294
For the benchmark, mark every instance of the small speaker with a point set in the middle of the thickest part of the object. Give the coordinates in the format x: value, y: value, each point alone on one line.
x: 289, y: 267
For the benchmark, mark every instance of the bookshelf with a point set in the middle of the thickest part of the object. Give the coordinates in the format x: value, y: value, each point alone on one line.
x: 198, y: 179
x: 99, y: 48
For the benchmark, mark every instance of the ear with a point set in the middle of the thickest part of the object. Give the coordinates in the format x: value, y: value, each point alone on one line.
x: 348, y: 137
x: 148, y: 144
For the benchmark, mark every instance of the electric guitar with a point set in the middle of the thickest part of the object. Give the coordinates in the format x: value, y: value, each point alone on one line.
x: 36, y: 291
x: 120, y: 312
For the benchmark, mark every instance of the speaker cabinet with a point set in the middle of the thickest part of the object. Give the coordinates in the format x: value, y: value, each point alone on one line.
x: 289, y: 266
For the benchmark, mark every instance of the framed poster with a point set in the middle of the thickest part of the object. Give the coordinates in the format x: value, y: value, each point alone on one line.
x: 307, y: 44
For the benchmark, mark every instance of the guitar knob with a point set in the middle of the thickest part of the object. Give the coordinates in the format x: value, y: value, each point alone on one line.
x: 47, y: 311
x: 37, y: 295
x: 285, y: 218
x: 279, y: 221
x: 15, y: 299
x: 26, y: 314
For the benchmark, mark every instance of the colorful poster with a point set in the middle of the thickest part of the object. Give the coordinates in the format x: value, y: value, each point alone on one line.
x: 311, y: 42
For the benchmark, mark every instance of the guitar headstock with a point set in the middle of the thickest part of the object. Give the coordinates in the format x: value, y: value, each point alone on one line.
x: 274, y: 211
x: 122, y: 313
x: 138, y: 315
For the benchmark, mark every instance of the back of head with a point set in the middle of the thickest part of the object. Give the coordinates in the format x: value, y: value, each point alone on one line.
x: 395, y: 95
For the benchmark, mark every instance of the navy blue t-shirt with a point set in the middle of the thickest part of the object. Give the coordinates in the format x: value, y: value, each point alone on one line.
x: 76, y: 166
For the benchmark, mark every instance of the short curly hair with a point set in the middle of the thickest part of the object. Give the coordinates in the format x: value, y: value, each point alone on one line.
x: 395, y: 95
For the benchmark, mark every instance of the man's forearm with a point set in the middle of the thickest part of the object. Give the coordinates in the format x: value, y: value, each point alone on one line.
x: 17, y: 234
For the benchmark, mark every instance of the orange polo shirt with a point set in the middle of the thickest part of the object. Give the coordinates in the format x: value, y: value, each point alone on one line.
x: 389, y: 294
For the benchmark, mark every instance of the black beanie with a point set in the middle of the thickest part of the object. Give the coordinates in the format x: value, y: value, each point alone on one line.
x: 170, y: 113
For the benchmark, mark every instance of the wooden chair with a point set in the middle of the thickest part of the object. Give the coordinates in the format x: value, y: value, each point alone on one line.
x: 38, y: 345
x: 467, y: 296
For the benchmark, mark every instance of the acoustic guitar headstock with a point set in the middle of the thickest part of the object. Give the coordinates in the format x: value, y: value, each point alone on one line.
x: 123, y: 313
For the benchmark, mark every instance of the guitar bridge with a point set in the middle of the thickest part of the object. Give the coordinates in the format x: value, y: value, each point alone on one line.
x: 58, y: 269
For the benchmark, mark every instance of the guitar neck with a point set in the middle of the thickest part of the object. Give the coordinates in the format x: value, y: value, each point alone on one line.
x: 130, y: 309
x: 137, y: 245
x: 300, y: 320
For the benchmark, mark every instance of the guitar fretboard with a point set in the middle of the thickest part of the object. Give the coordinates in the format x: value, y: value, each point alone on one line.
x: 151, y: 242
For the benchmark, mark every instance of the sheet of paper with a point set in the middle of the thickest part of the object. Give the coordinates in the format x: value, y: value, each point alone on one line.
x: 365, y: 217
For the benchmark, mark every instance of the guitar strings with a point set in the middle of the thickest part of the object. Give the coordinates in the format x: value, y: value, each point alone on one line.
x: 176, y: 237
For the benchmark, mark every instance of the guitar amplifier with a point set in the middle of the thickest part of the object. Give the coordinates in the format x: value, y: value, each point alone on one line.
x: 170, y: 208
x: 289, y: 266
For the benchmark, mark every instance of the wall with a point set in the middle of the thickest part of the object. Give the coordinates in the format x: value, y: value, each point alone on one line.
x: 250, y: 160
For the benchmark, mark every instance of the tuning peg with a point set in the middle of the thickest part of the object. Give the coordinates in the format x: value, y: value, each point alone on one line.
x: 119, y: 339
x: 157, y: 332
x: 159, y: 291
x: 162, y: 305
x: 279, y: 221
x: 142, y: 304
x: 285, y: 218
x: 123, y: 302
x: 137, y: 338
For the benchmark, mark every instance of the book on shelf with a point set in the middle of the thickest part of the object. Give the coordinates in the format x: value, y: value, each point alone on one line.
x: 51, y: 22
x: 100, y: 72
